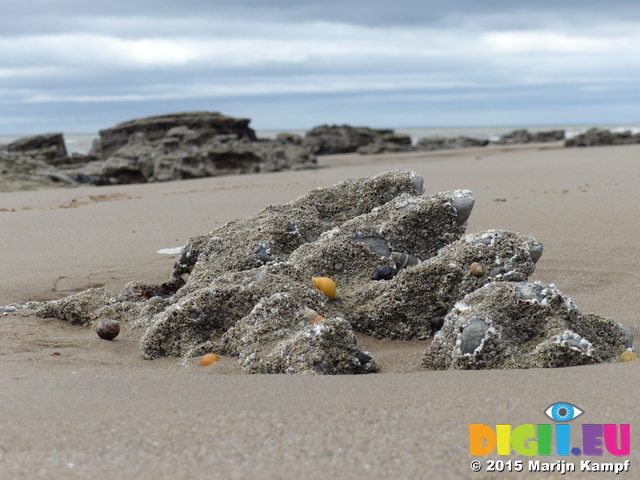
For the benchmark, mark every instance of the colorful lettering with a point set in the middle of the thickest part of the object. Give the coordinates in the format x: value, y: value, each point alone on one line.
x: 531, y: 440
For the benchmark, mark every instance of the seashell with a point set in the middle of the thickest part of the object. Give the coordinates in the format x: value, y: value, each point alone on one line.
x: 185, y: 277
x: 475, y: 269
x: 627, y: 356
x: 108, y: 329
x: 536, y: 251
x: 404, y: 260
x: 326, y: 286
x: 208, y: 359
x: 312, y: 315
x: 383, y: 272
x: 363, y: 357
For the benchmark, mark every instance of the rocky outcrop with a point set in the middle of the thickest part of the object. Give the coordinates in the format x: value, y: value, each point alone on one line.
x: 523, y: 325
x: 206, y: 125
x: 524, y: 136
x: 154, y: 149
x: 190, y: 145
x: 249, y: 289
x: 21, y: 172
x: 387, y: 143
x: 183, y: 154
x: 326, y: 139
x: 35, y: 162
x: 48, y: 147
x: 595, y: 137
x: 548, y: 136
x: 516, y: 137
x: 447, y: 143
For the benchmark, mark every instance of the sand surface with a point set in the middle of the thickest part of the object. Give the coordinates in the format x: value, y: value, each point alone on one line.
x: 74, y: 406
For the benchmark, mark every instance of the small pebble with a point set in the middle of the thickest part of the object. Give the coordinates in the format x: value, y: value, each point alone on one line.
x: 108, y: 329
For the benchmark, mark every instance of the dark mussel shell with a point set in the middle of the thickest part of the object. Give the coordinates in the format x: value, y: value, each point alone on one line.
x: 383, y: 272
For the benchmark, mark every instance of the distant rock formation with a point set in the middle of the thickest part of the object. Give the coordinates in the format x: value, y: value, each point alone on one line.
x: 515, y: 137
x: 448, y: 143
x: 387, y: 143
x: 595, y: 136
x: 32, y: 162
x: 152, y: 149
x: 205, y: 124
x: 48, y: 147
x: 524, y: 136
x: 332, y: 139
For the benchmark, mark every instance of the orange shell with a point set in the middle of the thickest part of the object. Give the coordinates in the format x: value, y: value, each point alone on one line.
x: 627, y: 356
x: 317, y: 319
x: 208, y: 359
x: 325, y: 285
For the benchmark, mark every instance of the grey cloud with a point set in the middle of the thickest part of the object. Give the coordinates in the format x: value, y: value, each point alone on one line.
x: 376, y: 63
x: 34, y: 16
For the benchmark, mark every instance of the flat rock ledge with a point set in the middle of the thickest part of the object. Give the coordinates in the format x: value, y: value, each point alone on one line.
x: 153, y: 149
x: 404, y: 269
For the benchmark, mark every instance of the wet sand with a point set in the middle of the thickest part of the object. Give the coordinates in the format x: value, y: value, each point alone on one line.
x: 75, y: 406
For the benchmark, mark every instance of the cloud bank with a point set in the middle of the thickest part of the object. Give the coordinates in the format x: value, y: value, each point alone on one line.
x: 290, y: 64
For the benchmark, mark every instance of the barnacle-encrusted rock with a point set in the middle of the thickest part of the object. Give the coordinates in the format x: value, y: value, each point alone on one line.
x: 93, y: 305
x: 277, y: 337
x: 77, y: 309
x: 404, y: 306
x: 349, y: 253
x: 247, y: 289
x: 522, y: 325
x: 272, y: 234
x: 327, y: 347
x: 212, y: 310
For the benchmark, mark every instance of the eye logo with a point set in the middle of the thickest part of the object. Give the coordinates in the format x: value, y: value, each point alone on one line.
x: 563, y: 412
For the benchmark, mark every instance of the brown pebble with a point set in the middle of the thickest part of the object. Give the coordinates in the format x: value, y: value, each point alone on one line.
x: 476, y: 269
x: 108, y: 329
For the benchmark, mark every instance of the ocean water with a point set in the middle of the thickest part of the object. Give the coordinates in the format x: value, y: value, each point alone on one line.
x: 81, y: 143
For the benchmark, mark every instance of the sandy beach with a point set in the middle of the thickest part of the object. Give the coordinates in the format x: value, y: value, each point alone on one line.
x: 74, y: 406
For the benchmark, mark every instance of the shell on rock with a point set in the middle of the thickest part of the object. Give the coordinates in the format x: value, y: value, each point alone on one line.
x: 108, y: 329
x: 404, y: 260
x: 208, y: 359
x: 627, y: 356
x: 476, y: 269
x: 436, y: 324
x: 326, y: 285
x: 383, y: 272
x: 312, y: 315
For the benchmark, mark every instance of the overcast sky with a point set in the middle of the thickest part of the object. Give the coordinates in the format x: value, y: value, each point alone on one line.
x: 78, y: 66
